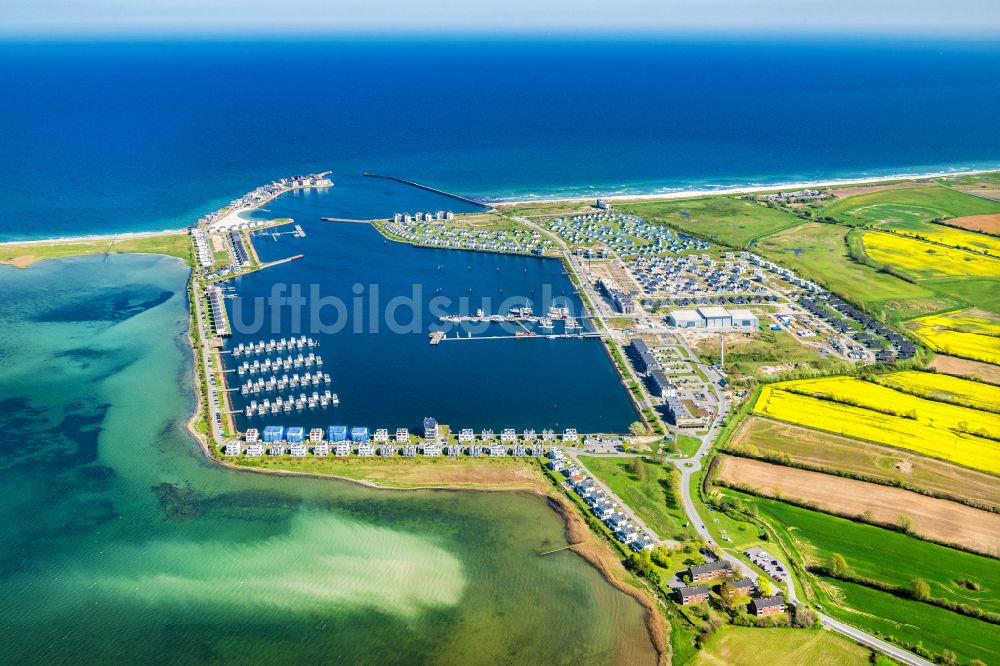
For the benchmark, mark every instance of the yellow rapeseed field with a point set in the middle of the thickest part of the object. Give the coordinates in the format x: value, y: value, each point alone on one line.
x: 926, y: 260
x: 967, y: 333
x: 977, y: 395
x: 957, y: 238
x: 925, y: 426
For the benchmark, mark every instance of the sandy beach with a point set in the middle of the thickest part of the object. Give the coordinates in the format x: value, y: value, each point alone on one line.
x: 750, y: 189
x: 234, y: 215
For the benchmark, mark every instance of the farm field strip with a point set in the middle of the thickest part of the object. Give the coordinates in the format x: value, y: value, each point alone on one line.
x: 928, y: 437
x: 988, y: 224
x: 933, y: 386
x: 972, y: 334
x: 817, y: 535
x: 964, y: 367
x: 804, y: 446
x: 936, y: 519
x: 922, y: 260
x: 876, y: 397
x: 913, y: 622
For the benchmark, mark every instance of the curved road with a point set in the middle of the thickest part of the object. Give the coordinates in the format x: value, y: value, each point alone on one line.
x: 847, y: 630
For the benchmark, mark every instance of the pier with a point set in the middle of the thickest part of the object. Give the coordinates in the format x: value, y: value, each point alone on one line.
x: 431, y: 189
x: 520, y: 335
x: 345, y: 219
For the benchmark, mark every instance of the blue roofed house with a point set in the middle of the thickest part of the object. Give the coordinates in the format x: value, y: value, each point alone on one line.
x: 359, y: 434
x: 336, y: 433
x: 295, y: 435
x: 273, y: 433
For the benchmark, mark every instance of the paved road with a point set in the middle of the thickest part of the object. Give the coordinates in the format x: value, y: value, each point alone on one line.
x: 875, y: 643
x: 215, y: 435
x: 622, y: 506
x: 847, y: 630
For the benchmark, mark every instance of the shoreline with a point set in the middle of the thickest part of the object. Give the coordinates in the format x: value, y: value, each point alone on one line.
x: 125, y: 235
x: 737, y: 189
x: 576, y: 198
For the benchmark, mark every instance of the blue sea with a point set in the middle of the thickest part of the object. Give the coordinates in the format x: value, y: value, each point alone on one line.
x: 128, y: 136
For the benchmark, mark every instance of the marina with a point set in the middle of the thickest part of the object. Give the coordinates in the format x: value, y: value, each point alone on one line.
x: 376, y: 364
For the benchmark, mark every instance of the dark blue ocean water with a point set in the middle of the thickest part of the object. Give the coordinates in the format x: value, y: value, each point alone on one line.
x: 98, y: 137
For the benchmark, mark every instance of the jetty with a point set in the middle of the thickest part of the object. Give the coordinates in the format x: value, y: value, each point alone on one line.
x: 344, y: 219
x: 458, y: 197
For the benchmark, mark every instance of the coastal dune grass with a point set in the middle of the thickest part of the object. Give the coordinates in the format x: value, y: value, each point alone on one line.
x: 23, y: 255
x: 417, y: 472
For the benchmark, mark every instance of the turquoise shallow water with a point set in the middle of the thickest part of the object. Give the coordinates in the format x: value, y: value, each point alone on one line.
x: 121, y: 543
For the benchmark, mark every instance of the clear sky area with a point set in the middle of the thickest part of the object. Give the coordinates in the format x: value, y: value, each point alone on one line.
x: 845, y: 18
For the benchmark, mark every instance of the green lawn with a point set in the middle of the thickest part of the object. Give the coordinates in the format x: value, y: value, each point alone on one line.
x: 913, y: 622
x: 819, y: 252
x: 649, y: 492
x: 780, y: 646
x: 688, y: 445
x: 743, y: 533
x: 729, y: 220
x: 817, y: 535
x: 24, y: 254
x: 908, y: 208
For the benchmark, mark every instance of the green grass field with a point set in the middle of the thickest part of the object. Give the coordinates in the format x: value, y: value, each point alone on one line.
x: 913, y: 622
x: 24, y: 254
x: 649, y: 493
x: 780, y: 646
x: 992, y: 177
x: 908, y: 208
x: 983, y: 292
x: 819, y: 252
x: 817, y: 535
x: 688, y: 445
x: 399, y: 472
x: 728, y: 220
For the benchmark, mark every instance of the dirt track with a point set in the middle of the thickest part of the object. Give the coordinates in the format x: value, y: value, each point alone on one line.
x: 936, y: 519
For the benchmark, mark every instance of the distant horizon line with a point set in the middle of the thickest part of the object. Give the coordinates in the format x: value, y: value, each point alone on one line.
x: 776, y: 34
